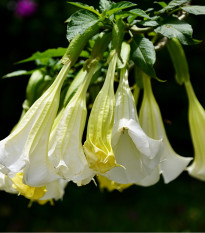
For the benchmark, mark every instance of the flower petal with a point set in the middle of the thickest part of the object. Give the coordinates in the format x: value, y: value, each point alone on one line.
x: 171, y: 164
x: 97, y: 146
x: 32, y: 193
x: 6, y: 184
x: 55, y: 190
x: 197, y: 127
x: 65, y: 145
x: 133, y: 149
x: 110, y: 185
x: 27, y: 146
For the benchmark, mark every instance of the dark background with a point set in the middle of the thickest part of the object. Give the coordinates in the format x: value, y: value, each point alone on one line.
x: 178, y: 206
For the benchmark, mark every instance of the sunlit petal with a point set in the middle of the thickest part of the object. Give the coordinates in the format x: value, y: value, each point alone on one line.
x: 65, y: 146
x: 97, y: 146
x: 171, y: 164
x: 27, y: 146
x: 133, y: 149
x: 197, y: 128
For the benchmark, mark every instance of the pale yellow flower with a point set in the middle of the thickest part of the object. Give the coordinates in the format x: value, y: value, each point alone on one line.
x: 97, y: 147
x: 197, y: 128
x: 171, y: 164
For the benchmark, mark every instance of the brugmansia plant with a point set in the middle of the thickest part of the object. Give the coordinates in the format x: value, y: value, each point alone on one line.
x: 110, y: 49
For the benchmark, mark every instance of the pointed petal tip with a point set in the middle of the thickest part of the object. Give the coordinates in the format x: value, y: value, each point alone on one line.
x: 174, y: 168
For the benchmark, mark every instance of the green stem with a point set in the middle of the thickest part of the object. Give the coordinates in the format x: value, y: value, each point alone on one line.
x: 136, y: 30
x: 177, y: 9
x: 179, y: 60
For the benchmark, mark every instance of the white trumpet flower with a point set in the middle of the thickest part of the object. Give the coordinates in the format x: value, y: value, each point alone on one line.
x: 197, y: 128
x: 133, y: 149
x: 171, y: 164
x: 65, y: 145
x: 26, y: 148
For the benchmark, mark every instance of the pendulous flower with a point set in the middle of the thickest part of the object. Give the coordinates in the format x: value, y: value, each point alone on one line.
x: 65, y: 144
x: 197, y: 128
x: 97, y: 147
x: 196, y: 113
x: 133, y: 149
x: 171, y: 164
x: 26, y: 148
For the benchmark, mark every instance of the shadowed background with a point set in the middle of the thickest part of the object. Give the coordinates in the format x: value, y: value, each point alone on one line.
x: 178, y: 206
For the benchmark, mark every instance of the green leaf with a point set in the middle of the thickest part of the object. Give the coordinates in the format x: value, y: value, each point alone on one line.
x: 135, y: 13
x: 18, y: 73
x: 105, y: 5
x: 131, y: 19
x: 143, y: 54
x: 139, y: 12
x: 173, y: 4
x: 162, y: 4
x: 149, y: 23
x: 79, y: 22
x: 119, y: 6
x: 85, y: 54
x: 196, y: 10
x: 86, y: 7
x: 59, y: 52
x: 123, y: 14
x: 149, y: 10
x: 174, y: 28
